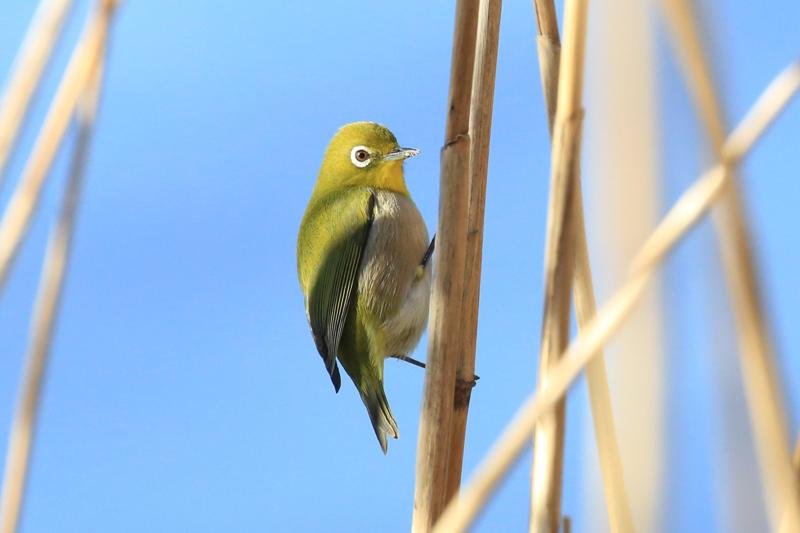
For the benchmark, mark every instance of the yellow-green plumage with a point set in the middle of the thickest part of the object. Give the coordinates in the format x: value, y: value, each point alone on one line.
x: 360, y: 262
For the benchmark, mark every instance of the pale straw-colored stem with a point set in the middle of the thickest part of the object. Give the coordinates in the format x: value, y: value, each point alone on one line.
x: 44, y: 319
x: 797, y: 457
x: 480, y: 124
x: 33, y: 56
x: 618, y: 507
x: 687, y: 211
x: 619, y: 515
x: 445, y: 318
x: 548, y: 45
x: 22, y: 205
x: 756, y: 354
x: 548, y: 457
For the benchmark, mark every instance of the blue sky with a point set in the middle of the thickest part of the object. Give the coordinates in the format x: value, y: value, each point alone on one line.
x: 185, y: 393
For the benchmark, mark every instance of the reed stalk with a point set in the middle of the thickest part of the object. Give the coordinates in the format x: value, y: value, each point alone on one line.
x: 549, y: 48
x: 548, y: 458
x: 687, y: 211
x: 21, y: 207
x: 756, y: 354
x: 446, y: 311
x: 480, y: 125
x: 33, y: 57
x: 45, y: 313
x: 797, y: 456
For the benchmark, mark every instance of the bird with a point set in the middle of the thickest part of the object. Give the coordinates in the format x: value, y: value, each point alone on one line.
x: 365, y: 264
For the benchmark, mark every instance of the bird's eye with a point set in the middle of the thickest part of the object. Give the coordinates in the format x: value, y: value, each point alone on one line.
x: 360, y: 156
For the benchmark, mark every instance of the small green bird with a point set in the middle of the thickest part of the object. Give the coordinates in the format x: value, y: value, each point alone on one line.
x: 363, y: 260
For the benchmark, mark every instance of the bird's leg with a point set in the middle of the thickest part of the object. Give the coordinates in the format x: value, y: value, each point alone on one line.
x: 408, y: 359
x: 428, y: 253
x: 466, y: 384
x: 420, y: 272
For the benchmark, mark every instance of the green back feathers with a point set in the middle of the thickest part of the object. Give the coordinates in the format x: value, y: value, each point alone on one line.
x: 332, y: 240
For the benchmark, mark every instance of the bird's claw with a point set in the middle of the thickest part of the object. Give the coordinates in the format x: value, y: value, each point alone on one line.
x: 467, y: 383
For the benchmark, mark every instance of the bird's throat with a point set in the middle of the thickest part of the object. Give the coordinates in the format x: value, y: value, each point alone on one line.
x: 390, y: 177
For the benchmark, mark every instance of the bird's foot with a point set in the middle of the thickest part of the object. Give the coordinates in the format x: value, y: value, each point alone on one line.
x: 468, y: 383
x: 463, y: 392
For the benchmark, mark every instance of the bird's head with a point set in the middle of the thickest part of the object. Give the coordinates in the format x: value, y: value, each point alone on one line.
x: 364, y: 154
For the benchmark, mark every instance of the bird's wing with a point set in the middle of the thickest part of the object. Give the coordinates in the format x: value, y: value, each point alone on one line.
x: 333, y: 291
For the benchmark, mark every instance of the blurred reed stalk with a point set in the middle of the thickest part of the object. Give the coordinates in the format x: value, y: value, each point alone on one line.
x: 549, y: 49
x: 624, y: 180
x: 762, y: 388
x: 687, y: 211
x: 33, y: 57
x: 21, y: 207
x: 796, y: 460
x: 480, y: 125
x: 548, y: 46
x: 446, y: 311
x: 797, y: 456
x: 50, y: 287
x: 548, y: 452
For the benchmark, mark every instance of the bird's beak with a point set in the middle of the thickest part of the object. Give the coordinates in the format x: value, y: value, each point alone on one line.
x: 400, y: 153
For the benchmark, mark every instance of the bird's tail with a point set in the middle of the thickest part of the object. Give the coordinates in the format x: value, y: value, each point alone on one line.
x: 379, y: 413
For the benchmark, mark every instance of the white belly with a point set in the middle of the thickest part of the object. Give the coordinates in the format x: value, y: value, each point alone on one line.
x: 404, y: 329
x: 391, y: 285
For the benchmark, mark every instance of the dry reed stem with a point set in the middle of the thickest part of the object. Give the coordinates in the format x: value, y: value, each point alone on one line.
x: 22, y: 205
x: 619, y: 515
x: 686, y: 212
x: 43, y: 323
x: 548, y: 457
x: 796, y: 460
x: 797, y: 456
x: 33, y: 56
x: 548, y: 45
x: 480, y: 124
x: 445, y: 318
x: 756, y: 354
x: 617, y: 505
x: 623, y: 182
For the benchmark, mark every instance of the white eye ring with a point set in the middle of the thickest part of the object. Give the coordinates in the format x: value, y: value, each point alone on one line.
x: 358, y: 157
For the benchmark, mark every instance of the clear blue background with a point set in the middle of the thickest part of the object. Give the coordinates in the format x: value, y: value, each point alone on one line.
x: 185, y: 393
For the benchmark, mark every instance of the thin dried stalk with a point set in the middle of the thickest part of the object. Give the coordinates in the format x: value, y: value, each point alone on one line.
x: 29, y: 64
x: 549, y: 46
x: 687, y: 211
x: 43, y: 324
x: 22, y: 205
x: 548, y: 457
x: 480, y: 125
x: 618, y: 507
x: 796, y: 461
x: 623, y: 181
x: 756, y: 354
x: 445, y: 319
x: 797, y: 456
